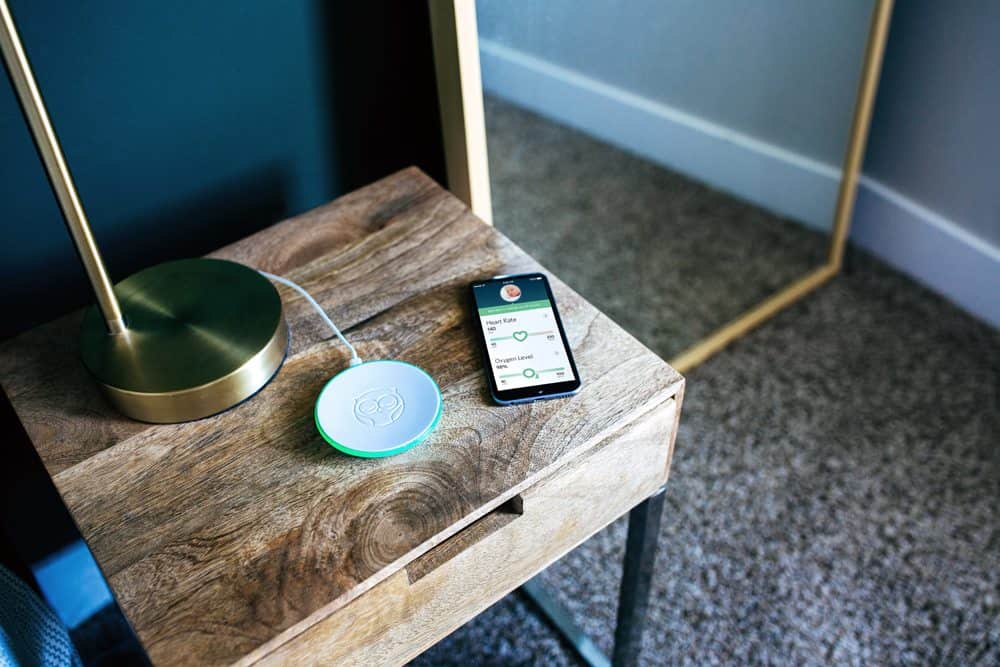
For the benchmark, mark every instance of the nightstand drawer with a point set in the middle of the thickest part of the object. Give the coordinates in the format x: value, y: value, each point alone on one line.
x: 436, y: 593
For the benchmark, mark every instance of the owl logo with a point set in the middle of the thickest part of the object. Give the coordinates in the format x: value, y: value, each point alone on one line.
x: 378, y: 407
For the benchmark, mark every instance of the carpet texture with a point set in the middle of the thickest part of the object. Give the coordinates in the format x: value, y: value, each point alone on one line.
x: 835, y: 492
x: 666, y: 257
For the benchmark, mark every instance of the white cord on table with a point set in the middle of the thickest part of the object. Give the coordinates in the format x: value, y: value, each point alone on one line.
x: 355, y: 359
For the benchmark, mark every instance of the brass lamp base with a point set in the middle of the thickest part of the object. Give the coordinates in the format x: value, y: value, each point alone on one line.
x: 201, y: 336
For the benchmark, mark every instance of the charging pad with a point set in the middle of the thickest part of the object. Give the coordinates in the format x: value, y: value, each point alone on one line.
x: 378, y: 408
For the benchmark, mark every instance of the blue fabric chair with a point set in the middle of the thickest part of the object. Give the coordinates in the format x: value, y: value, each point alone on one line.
x: 30, y: 633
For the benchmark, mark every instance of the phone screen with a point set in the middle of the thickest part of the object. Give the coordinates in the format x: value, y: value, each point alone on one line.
x: 525, y: 344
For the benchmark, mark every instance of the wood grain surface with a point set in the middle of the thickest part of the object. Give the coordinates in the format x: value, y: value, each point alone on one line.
x: 403, y: 616
x: 226, y: 537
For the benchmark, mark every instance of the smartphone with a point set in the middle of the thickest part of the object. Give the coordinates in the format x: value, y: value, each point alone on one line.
x: 524, y: 344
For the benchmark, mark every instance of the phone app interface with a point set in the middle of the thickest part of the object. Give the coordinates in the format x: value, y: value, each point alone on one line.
x: 522, y: 337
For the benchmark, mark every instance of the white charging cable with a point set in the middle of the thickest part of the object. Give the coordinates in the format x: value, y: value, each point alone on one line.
x: 355, y: 359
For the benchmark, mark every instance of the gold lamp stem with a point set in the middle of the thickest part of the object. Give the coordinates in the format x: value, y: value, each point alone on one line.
x: 62, y: 182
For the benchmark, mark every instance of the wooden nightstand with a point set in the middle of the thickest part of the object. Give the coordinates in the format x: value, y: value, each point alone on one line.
x: 245, y: 538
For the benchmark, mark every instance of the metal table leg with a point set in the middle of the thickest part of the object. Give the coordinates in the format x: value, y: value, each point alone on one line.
x: 640, y: 559
x: 560, y: 617
x: 633, y: 601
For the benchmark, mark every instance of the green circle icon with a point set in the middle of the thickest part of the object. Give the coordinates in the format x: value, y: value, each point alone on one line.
x: 529, y: 372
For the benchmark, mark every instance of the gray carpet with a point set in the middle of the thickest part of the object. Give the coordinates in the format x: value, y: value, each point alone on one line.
x: 835, y: 494
x: 642, y: 240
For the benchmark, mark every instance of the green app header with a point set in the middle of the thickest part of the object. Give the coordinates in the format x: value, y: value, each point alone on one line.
x: 514, y: 307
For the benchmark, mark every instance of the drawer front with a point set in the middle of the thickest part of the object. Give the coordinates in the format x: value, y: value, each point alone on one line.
x: 421, y: 604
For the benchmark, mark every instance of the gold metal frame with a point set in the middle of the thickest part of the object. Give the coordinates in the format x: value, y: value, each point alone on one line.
x: 460, y: 98
x: 456, y: 55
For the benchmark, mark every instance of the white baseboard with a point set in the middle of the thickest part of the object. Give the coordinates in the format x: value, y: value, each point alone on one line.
x: 929, y: 247
x: 772, y: 177
x: 934, y: 250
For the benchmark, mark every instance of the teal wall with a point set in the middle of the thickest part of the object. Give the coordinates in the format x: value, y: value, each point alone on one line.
x: 190, y: 124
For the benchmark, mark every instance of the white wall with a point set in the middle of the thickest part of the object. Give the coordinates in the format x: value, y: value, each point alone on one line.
x: 930, y: 199
x: 754, y: 98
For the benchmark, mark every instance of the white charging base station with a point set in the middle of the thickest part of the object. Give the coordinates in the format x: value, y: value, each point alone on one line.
x: 378, y: 408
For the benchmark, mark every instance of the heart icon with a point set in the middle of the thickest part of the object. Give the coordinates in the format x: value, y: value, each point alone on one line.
x: 520, y: 336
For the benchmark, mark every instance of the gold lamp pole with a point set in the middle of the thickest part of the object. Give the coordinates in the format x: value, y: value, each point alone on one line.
x: 176, y: 341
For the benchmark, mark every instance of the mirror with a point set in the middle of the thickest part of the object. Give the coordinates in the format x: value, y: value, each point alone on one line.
x: 686, y: 166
